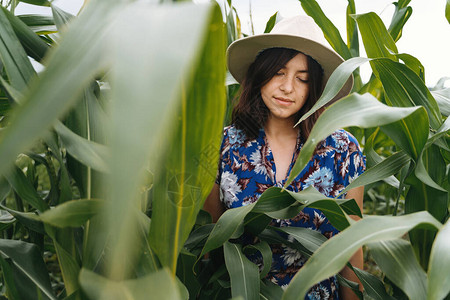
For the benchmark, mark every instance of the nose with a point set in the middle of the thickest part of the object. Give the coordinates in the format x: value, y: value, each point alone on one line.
x: 287, y: 85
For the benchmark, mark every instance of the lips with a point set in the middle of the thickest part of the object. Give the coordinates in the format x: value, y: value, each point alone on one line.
x: 283, y: 101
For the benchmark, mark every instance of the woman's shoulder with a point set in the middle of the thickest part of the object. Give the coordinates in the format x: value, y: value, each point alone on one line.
x: 234, y: 137
x: 340, y: 141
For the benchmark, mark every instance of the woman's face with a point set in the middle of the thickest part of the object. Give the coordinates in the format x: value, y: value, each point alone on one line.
x: 287, y: 91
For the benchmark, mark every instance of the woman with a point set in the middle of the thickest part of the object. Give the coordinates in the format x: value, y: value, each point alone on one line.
x: 282, y: 75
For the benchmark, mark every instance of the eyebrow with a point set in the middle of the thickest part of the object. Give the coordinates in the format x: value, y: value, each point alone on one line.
x: 302, y: 71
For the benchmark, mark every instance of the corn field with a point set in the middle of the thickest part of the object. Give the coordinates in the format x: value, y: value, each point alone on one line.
x: 108, y: 153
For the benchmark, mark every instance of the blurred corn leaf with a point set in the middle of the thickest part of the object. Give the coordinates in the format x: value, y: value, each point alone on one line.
x: 186, y: 170
x: 72, y: 213
x: 158, y: 285
x: 45, y: 100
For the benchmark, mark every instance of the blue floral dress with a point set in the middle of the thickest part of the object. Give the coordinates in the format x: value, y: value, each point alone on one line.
x: 247, y: 169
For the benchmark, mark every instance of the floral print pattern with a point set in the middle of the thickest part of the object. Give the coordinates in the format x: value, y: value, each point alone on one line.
x: 247, y: 169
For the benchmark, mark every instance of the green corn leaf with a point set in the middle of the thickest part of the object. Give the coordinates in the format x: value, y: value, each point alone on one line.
x: 244, y: 274
x: 72, y: 213
x: 29, y: 220
x: 13, y: 56
x: 413, y: 63
x: 352, y: 29
x: 64, y: 243
x: 64, y: 186
x: 310, y: 239
x: 438, y: 279
x: 232, y: 34
x: 397, y: 260
x: 355, y: 110
x: 185, y: 273
x: 373, y: 286
x: 377, y: 40
x: 8, y: 277
x: 39, y: 24
x: 270, y: 290
x: 160, y: 285
x: 335, y: 83
x: 350, y: 207
x: 441, y: 132
x: 5, y: 189
x: 400, y: 17
x: 447, y: 11
x: 25, y: 189
x: 198, y: 236
x: 91, y: 154
x: 421, y: 197
x: 410, y: 133
x: 29, y: 268
x: 442, y: 97
x: 404, y: 88
x: 308, y: 197
x: 273, y: 199
x: 33, y: 45
x: 226, y: 226
x: 390, y: 166
x: 271, y: 23
x: 86, y: 154
x: 422, y: 174
x: 37, y: 2
x: 331, y: 33
x: 332, y: 256
x: 32, y: 20
x: 266, y: 253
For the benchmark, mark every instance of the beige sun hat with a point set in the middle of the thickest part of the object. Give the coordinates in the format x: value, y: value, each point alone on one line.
x: 300, y: 33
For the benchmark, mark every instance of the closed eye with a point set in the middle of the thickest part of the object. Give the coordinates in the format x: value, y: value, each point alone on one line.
x: 303, y: 79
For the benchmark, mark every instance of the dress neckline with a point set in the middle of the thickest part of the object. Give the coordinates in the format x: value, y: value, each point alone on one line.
x: 269, y: 161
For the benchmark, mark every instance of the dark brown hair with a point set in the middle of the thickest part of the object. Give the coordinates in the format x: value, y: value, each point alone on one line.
x: 250, y: 113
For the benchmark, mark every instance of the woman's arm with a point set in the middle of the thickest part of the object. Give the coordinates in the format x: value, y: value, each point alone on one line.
x: 213, y: 205
x: 357, y: 259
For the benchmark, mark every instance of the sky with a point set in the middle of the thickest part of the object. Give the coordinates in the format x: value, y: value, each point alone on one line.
x: 426, y: 35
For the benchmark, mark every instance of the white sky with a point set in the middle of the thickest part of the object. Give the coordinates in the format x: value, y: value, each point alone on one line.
x: 426, y: 35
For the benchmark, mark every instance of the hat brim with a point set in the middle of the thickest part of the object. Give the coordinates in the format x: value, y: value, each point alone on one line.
x: 241, y: 54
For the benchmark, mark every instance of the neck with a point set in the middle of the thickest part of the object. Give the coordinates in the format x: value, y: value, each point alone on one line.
x: 280, y: 127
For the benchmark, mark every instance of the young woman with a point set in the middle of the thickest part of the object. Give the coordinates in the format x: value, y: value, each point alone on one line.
x: 282, y: 75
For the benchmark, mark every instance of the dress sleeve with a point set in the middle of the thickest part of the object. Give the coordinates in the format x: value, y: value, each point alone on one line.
x: 356, y: 160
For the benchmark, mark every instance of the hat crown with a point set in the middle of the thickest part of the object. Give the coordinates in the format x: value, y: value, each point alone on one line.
x: 301, y: 26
